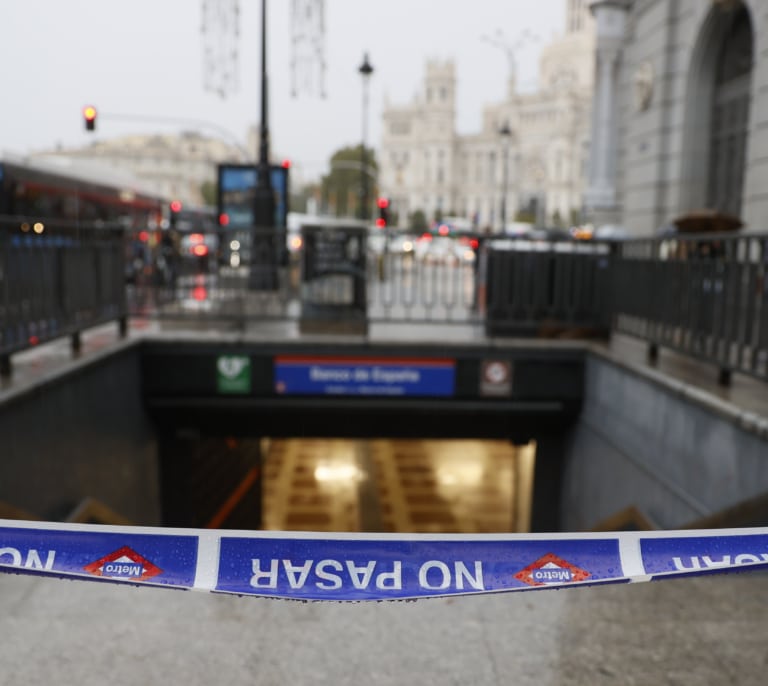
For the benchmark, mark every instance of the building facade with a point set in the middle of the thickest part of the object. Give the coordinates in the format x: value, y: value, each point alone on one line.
x: 173, y: 166
x: 529, y: 158
x: 681, y: 112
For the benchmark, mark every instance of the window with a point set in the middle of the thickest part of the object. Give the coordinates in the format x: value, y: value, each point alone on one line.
x: 730, y: 117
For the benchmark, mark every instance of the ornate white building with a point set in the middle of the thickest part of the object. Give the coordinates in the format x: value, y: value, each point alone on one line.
x: 530, y: 155
x: 681, y: 111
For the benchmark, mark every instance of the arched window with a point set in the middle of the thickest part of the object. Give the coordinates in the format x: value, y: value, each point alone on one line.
x: 730, y: 116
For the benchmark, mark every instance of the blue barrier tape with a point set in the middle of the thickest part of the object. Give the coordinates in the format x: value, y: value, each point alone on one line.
x: 354, y: 567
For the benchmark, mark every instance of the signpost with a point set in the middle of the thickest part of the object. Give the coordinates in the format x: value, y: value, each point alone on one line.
x: 333, y: 298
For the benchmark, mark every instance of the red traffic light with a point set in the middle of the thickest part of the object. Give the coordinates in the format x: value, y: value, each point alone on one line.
x: 176, y: 206
x: 89, y: 114
x: 383, y: 219
x: 286, y: 164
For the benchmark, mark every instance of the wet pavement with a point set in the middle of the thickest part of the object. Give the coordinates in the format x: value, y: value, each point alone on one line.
x: 682, y: 632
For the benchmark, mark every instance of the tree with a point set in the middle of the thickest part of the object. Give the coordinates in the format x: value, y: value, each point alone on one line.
x: 299, y: 199
x: 210, y: 193
x: 342, y: 187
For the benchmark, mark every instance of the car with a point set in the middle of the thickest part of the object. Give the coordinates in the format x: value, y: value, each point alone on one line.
x: 197, y: 251
x: 610, y: 232
x: 403, y: 244
x: 443, y: 250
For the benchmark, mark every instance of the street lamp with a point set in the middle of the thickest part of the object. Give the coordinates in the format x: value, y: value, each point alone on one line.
x: 505, y: 133
x: 365, y: 70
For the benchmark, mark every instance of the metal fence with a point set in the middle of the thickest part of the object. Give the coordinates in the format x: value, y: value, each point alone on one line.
x: 56, y: 280
x: 559, y: 288
x: 704, y: 296
x: 510, y: 288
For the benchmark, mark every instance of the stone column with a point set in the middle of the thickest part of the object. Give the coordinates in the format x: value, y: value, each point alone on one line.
x: 601, y: 196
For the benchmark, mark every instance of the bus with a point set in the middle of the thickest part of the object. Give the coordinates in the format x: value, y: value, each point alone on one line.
x: 57, y: 189
x: 75, y: 194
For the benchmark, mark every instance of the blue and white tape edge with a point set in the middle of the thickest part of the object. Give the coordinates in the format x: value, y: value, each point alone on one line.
x: 354, y: 567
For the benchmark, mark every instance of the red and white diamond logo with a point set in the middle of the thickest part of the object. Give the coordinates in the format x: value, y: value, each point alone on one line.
x: 124, y: 563
x: 551, y: 569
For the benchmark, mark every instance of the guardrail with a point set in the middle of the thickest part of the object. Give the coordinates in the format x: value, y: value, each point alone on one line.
x: 705, y: 296
x: 57, y: 279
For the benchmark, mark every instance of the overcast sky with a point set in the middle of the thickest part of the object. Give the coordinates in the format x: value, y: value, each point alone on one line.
x: 145, y: 58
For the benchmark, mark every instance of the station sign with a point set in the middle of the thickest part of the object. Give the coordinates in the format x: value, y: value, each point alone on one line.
x: 364, y: 376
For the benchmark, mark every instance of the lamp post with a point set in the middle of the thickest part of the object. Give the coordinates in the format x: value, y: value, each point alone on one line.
x: 365, y: 70
x: 505, y: 134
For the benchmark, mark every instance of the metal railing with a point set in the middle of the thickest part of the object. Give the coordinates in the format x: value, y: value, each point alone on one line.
x: 704, y: 296
x: 550, y: 289
x: 56, y: 280
x: 510, y: 288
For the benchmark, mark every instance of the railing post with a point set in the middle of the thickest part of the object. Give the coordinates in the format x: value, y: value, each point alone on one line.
x: 5, y: 367
x: 653, y: 353
x: 724, y: 376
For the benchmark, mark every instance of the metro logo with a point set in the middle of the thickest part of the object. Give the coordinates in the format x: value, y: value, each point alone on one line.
x: 124, y: 563
x: 551, y: 569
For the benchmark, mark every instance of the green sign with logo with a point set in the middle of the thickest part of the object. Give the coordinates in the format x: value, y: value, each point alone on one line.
x: 233, y: 374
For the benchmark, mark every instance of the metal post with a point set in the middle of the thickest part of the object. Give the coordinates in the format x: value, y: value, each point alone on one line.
x: 264, y: 254
x: 365, y: 70
x: 5, y: 366
x: 505, y: 134
x: 264, y: 200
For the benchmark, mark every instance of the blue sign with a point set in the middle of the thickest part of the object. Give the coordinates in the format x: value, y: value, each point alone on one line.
x: 348, y: 569
x: 296, y: 375
x: 237, y: 188
x: 151, y: 558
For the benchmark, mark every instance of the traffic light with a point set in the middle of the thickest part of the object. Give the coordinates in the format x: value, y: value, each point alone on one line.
x: 89, y: 115
x: 175, y: 209
x: 383, y: 218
